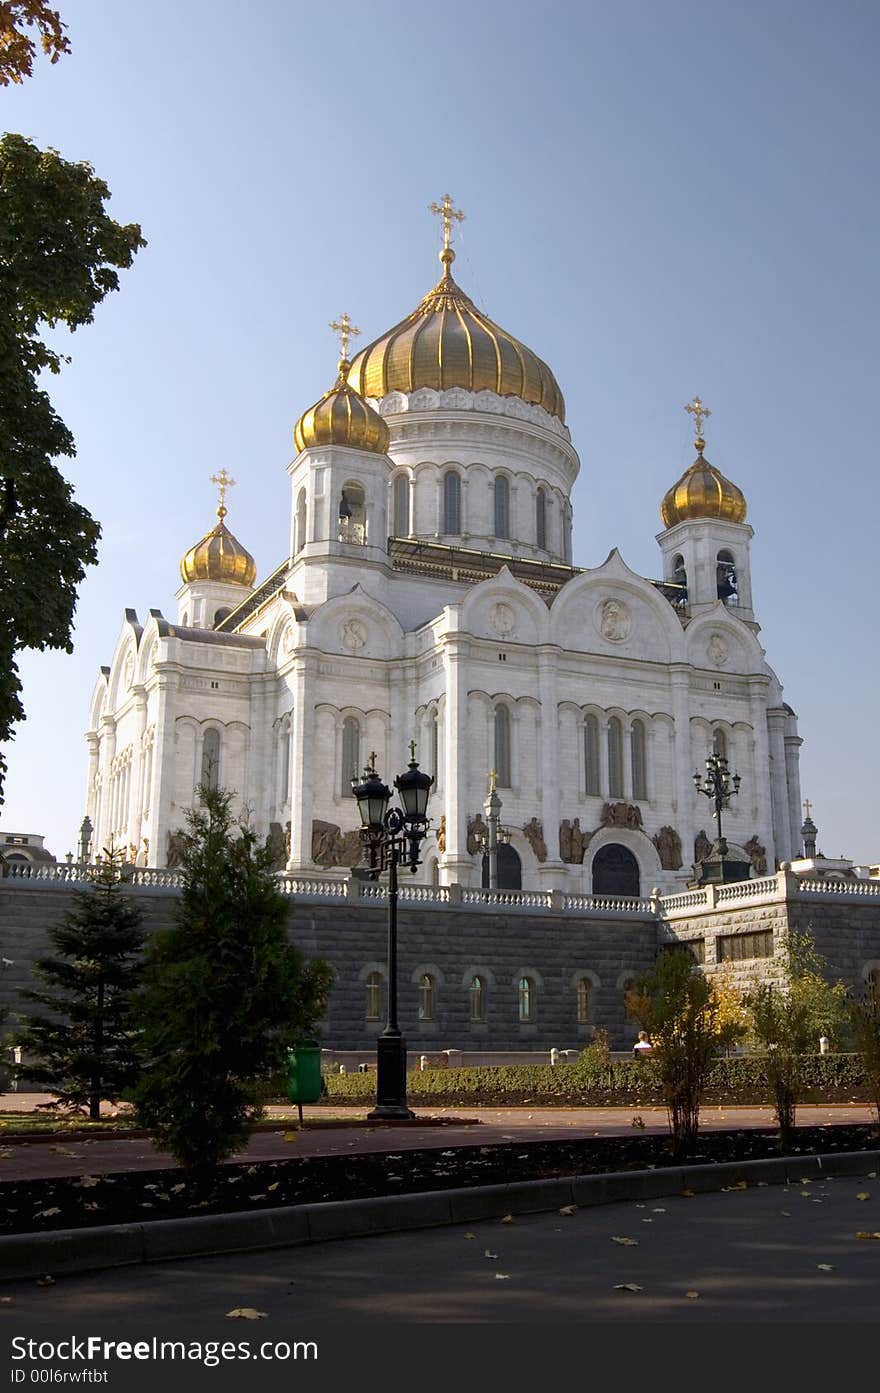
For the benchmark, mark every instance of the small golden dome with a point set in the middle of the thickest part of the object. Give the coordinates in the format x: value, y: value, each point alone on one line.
x: 703, y: 492
x: 448, y: 342
x: 219, y: 556
x: 342, y: 417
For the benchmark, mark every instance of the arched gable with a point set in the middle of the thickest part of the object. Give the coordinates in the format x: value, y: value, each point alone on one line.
x: 504, y: 610
x: 356, y: 625
x: 611, y: 610
x: 720, y: 642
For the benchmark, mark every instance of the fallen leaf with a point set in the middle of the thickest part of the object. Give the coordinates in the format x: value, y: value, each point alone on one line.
x: 824, y: 1267
x: 47, y: 1281
x: 502, y: 1276
x: 569, y: 1209
x: 46, y: 1213
x: 626, y: 1242
x: 88, y: 1182
x: 507, y: 1219
x: 867, y: 1235
x: 470, y: 1235
x: 627, y: 1286
x: 658, y: 1211
x: 872, y: 1175
x: 176, y: 1189
x: 274, y: 1186
x: 805, y: 1180
x: 637, y: 1122
x: 863, y: 1195
x: 688, y: 1194
x: 786, y: 1213
x: 692, y: 1295
x: 292, y: 1136
x: 487, y: 1253
x: 647, y: 1221
x: 246, y: 1313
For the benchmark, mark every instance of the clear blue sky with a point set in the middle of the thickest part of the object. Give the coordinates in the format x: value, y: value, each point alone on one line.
x: 662, y: 200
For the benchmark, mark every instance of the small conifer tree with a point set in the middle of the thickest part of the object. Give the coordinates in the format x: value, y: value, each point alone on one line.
x: 225, y: 993
x: 86, y: 1048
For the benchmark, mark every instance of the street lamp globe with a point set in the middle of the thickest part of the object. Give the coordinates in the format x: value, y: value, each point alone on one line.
x: 372, y: 797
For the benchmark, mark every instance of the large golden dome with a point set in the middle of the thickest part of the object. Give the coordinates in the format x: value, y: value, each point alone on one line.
x: 448, y: 342
x: 342, y: 417
x: 219, y: 556
x: 703, y: 492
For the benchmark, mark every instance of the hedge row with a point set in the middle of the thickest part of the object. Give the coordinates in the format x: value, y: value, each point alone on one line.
x: 828, y: 1078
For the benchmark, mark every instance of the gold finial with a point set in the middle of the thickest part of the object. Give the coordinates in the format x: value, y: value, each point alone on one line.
x: 346, y: 330
x: 808, y: 807
x: 700, y: 413
x: 450, y: 214
x: 412, y: 751
x: 372, y: 764
x: 223, y: 482
x: 493, y: 775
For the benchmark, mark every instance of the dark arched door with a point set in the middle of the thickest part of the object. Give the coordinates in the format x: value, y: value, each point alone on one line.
x: 509, y: 869
x: 615, y: 871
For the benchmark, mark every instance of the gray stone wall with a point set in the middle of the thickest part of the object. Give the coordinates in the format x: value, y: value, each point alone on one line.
x: 452, y: 943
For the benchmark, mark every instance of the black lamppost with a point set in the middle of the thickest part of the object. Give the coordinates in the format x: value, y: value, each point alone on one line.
x: 393, y: 837
x: 719, y: 787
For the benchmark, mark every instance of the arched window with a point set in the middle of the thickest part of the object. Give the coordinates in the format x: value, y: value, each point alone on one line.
x: 477, y: 1000
x: 526, y: 1000
x: 351, y: 753
x: 719, y: 743
x: 300, y: 530
x: 615, y: 758
x: 435, y: 747
x: 211, y: 758
x: 502, y: 746
x: 401, y: 506
x: 220, y: 615
x: 615, y: 871
x: 591, y: 756
x: 639, y: 760
x: 451, y: 504
x: 725, y: 573
x: 426, y: 997
x: 541, y: 519
x: 373, y: 987
x: 502, y: 506
x: 509, y: 868
x: 284, y: 791
x: 679, y: 577
x: 353, y: 514
x: 584, y: 995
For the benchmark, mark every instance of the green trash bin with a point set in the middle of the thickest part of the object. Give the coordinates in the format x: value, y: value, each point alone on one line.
x: 304, y: 1074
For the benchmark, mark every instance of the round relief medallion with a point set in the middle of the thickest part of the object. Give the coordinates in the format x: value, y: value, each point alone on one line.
x: 502, y: 619
x: 353, y: 635
x: 613, y: 620
x: 717, y: 650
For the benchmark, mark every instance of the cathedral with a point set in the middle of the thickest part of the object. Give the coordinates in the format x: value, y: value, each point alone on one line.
x: 429, y: 595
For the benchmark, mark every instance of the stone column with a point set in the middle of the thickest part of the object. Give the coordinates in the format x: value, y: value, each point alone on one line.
x: 91, y: 798
x: 162, y: 818
x: 108, y: 753
x: 793, y: 743
x: 135, y: 806
x: 456, y: 863
x: 548, y: 755
x: 261, y: 785
x: 683, y: 788
x: 768, y: 789
x: 604, y: 790
x: 302, y: 763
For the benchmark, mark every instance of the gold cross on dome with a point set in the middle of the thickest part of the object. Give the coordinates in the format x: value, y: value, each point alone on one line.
x: 699, y: 413
x: 223, y: 481
x: 493, y: 776
x: 808, y: 806
x: 346, y: 330
x: 450, y: 214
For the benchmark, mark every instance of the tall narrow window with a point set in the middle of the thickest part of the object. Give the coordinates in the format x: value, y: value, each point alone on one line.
x: 719, y: 743
x: 401, y: 506
x: 725, y: 573
x: 435, y: 747
x: 526, y: 1000
x: 584, y: 990
x: 502, y: 506
x: 351, y: 751
x: 211, y: 758
x: 639, y: 760
x: 300, y: 536
x: 373, y: 1005
x: 451, y: 504
x: 541, y: 519
x: 566, y: 534
x: 591, y: 756
x: 353, y: 514
x: 426, y: 997
x: 284, y: 791
x: 502, y: 746
x: 615, y: 758
x: 477, y: 999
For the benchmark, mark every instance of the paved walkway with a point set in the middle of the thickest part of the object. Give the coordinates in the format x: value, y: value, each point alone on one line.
x: 479, y: 1127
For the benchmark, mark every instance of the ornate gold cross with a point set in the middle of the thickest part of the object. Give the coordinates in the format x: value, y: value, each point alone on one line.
x: 808, y: 806
x: 493, y: 776
x: 699, y: 413
x: 223, y: 482
x: 449, y: 214
x: 346, y: 330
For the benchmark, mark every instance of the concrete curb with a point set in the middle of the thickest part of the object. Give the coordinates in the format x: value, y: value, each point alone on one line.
x: 90, y: 1249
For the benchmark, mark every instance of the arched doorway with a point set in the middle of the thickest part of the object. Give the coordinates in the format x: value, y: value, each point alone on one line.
x: 615, y: 871
x: 509, y: 869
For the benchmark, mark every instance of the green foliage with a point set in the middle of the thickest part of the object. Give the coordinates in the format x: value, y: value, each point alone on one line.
x: 17, y: 48
x: 225, y: 996
x: 86, y: 1049
x: 58, y: 251
x: 864, y: 1019
x: 787, y: 1019
x: 676, y: 1004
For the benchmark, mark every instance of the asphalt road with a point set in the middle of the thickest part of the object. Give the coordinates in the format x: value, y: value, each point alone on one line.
x: 766, y: 1255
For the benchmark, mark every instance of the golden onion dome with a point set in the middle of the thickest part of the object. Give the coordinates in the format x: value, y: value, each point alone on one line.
x: 703, y: 492
x: 342, y: 417
x: 448, y: 342
x: 219, y: 556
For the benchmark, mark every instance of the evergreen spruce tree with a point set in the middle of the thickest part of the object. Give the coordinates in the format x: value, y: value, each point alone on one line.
x: 86, y: 1049
x: 225, y: 994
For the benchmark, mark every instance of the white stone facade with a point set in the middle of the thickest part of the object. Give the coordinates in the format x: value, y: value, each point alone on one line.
x: 611, y: 694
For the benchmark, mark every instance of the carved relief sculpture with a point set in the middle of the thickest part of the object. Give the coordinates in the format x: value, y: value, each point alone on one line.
x: 668, y: 844
x: 573, y: 842
x: 176, y: 846
x: 702, y: 847
x: 614, y: 621
x: 287, y: 840
x: 621, y: 815
x: 757, y: 854
x: 333, y: 847
x: 275, y: 846
x: 441, y: 834
x: 534, y: 834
